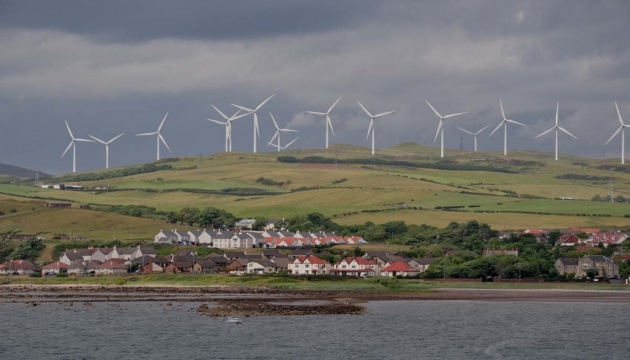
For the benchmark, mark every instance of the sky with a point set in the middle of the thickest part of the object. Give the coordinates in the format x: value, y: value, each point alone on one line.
x: 108, y: 67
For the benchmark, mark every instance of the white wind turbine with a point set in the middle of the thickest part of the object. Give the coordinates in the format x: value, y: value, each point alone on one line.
x: 556, y: 128
x: 278, y: 131
x: 255, y: 112
x: 328, y: 122
x: 283, y: 147
x: 504, y: 123
x: 371, y: 128
x: 158, y: 137
x: 440, y: 129
x: 106, y: 147
x: 474, y: 134
x: 228, y: 126
x: 73, y: 144
x: 621, y: 129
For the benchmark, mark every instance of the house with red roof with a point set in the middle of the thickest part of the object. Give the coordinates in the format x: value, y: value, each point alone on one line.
x: 309, y: 265
x: 19, y: 267
x: 111, y: 267
x: 356, y: 266
x: 55, y: 268
x: 568, y: 240
x: 399, y: 268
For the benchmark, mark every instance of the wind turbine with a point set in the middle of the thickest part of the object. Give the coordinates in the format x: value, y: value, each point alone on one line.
x: 106, y: 147
x: 621, y: 129
x: 158, y: 137
x: 278, y: 131
x: 283, y: 147
x: 328, y: 122
x: 440, y: 129
x: 504, y: 123
x: 73, y: 144
x: 557, y: 127
x: 474, y: 134
x: 371, y: 128
x: 228, y: 126
x: 255, y: 112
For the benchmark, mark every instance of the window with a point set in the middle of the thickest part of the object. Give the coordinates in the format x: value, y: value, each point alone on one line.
x: 343, y: 266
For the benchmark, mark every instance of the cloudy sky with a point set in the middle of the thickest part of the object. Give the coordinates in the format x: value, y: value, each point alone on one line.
x: 109, y: 67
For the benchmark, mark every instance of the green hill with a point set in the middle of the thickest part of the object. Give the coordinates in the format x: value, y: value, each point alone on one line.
x: 405, y: 182
x: 20, y: 172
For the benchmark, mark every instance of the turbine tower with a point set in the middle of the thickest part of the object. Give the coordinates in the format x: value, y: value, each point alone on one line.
x: 106, y: 147
x: 328, y: 122
x: 440, y: 129
x: 158, y: 137
x: 255, y: 112
x: 371, y: 128
x: 228, y: 126
x: 504, y: 123
x: 73, y: 144
x: 621, y: 129
x: 278, y: 131
x: 282, y: 147
x: 474, y: 134
x: 556, y: 128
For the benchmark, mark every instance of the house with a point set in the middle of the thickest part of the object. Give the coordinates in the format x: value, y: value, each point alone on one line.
x: 282, y: 263
x: 356, y: 266
x: 275, y: 224
x: 566, y: 266
x: 245, y: 223
x: 177, y: 267
x: 53, y: 205
x: 399, y: 268
x: 270, y: 253
x: 111, y: 267
x: 568, y: 240
x: 55, y: 268
x: 237, y: 266
x: 172, y: 237
x: 261, y: 266
x: 122, y: 253
x: 200, y: 237
x: 604, y: 266
x: 300, y: 252
x: 222, y: 239
x: 309, y: 265
x: 151, y: 267
x: 259, y: 239
x: 421, y: 264
x: 221, y: 261
x: 242, y: 241
x: 20, y: 267
x: 383, y: 258
x: 206, y: 266
x: 70, y: 256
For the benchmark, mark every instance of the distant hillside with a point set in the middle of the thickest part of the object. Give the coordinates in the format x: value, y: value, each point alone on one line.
x: 20, y: 172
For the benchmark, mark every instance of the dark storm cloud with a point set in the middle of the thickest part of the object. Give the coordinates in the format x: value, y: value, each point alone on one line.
x: 130, y: 21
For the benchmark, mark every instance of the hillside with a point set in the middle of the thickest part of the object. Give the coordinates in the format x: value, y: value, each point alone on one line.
x: 20, y: 172
x: 406, y: 182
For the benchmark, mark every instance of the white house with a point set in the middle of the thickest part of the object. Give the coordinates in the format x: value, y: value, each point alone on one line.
x: 356, y: 266
x: 261, y: 266
x: 309, y: 265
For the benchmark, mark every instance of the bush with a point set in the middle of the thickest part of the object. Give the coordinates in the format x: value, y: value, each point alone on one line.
x: 60, y: 275
x: 35, y: 275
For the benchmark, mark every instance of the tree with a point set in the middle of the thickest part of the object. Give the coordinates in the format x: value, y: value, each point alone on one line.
x: 260, y: 223
x: 189, y: 215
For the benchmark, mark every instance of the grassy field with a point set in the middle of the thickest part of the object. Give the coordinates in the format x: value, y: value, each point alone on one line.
x: 511, y: 192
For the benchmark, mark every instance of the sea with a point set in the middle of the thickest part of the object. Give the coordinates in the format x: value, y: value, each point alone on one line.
x: 388, y: 330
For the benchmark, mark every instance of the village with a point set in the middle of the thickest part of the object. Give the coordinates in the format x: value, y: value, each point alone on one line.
x: 295, y: 253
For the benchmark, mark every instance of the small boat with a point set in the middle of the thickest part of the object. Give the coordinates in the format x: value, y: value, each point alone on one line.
x: 234, y: 320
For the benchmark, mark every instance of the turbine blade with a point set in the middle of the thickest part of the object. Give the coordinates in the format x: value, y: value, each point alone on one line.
x: 164, y: 142
x: 235, y: 116
x: 68, y: 148
x: 383, y: 114
x: 114, y: 139
x: 218, y: 122
x: 615, y: 134
x: 288, y: 130
x: 243, y: 108
x: 545, y: 132
x: 329, y: 123
x: 275, y: 135
x: 497, y: 128
x: 147, y: 134
x: 316, y: 113
x: 263, y: 103
x: 502, y: 112
x: 435, y: 111
x: 370, y: 129
x: 97, y: 139
x: 333, y: 105
x: 515, y: 122
x: 364, y: 109
x: 466, y: 131
x: 222, y: 114
x: 453, y: 115
x: 272, y: 144
x: 619, y: 114
x: 162, y: 123
x: 274, y: 121
x: 482, y: 129
x: 568, y: 133
x: 83, y: 140
x: 69, y: 131
x: 289, y: 144
x: 557, y: 108
x: 437, y: 133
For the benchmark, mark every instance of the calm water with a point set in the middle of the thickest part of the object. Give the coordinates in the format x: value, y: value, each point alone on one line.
x: 391, y: 330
